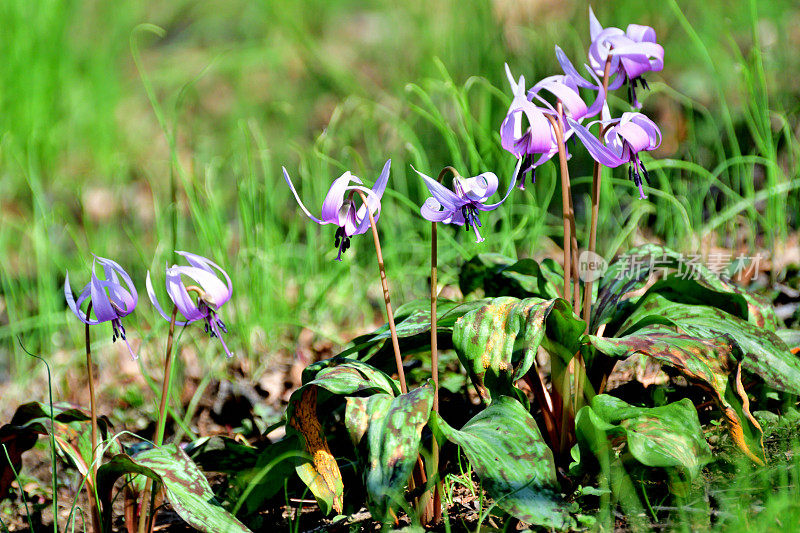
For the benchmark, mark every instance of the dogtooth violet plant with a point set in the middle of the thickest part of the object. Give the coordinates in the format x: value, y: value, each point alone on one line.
x: 523, y: 344
x: 212, y: 288
x: 111, y: 299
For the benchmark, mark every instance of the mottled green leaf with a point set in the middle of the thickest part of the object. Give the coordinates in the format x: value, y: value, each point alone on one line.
x: 502, y: 276
x: 668, y: 436
x: 72, y: 434
x: 413, y: 325
x: 632, y: 269
x: 497, y: 343
x: 705, y: 362
x: 186, y: 488
x: 393, y: 441
x: 762, y: 352
x: 506, y: 450
x: 337, y: 376
x: 361, y: 411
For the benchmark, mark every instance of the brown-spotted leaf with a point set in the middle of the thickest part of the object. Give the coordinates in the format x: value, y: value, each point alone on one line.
x: 762, y: 352
x: 497, y: 343
x: 705, y: 362
x: 669, y: 436
x: 72, y: 435
x: 691, y: 279
x: 393, y: 441
x: 507, y: 452
x: 186, y: 488
x: 361, y: 411
x: 320, y: 472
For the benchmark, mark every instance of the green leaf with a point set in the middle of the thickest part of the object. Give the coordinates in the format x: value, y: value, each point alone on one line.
x: 762, y: 352
x: 668, y: 436
x: 187, y: 489
x: 72, y: 433
x: 506, y: 450
x: 502, y: 276
x: 337, y: 376
x: 393, y: 439
x: 497, y: 343
x: 361, y: 412
x: 632, y: 269
x: 413, y: 325
x: 705, y: 362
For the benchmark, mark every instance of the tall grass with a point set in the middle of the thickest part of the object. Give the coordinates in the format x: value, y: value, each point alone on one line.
x: 183, y: 148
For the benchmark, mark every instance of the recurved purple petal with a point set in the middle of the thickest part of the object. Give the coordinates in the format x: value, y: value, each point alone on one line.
x: 208, y: 265
x: 447, y: 198
x: 296, y: 197
x: 101, y: 304
x: 332, y: 205
x: 75, y: 308
x: 433, y: 211
x: 480, y: 187
x: 125, y: 298
x: 151, y: 294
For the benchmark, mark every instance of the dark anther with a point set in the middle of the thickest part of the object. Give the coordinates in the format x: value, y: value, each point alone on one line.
x: 646, y: 174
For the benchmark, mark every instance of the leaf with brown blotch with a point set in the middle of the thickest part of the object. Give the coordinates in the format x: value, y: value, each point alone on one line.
x: 706, y: 362
x: 320, y: 473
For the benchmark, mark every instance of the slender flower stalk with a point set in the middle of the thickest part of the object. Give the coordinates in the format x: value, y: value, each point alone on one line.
x: 597, y: 175
x: 111, y: 299
x: 565, y: 207
x: 162, y: 409
x: 212, y: 292
x: 386, y: 300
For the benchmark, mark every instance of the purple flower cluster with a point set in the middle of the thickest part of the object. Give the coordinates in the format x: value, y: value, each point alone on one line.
x: 527, y: 132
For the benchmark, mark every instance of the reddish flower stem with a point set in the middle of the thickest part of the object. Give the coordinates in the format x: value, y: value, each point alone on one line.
x: 92, y: 473
x: 385, y: 285
x: 162, y: 409
x: 596, y: 181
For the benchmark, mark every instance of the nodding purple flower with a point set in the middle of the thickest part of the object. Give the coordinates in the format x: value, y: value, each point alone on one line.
x: 339, y: 206
x: 537, y: 138
x: 212, y: 292
x: 633, y: 52
x: 625, y: 137
x: 110, y: 300
x: 461, y: 205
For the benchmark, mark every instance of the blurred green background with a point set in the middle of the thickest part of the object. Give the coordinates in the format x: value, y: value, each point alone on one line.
x: 130, y: 128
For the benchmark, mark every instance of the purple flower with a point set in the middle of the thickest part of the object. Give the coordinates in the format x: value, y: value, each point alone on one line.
x: 110, y: 300
x: 212, y: 292
x: 461, y: 205
x: 524, y: 143
x: 339, y: 206
x: 625, y: 138
x: 633, y: 52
